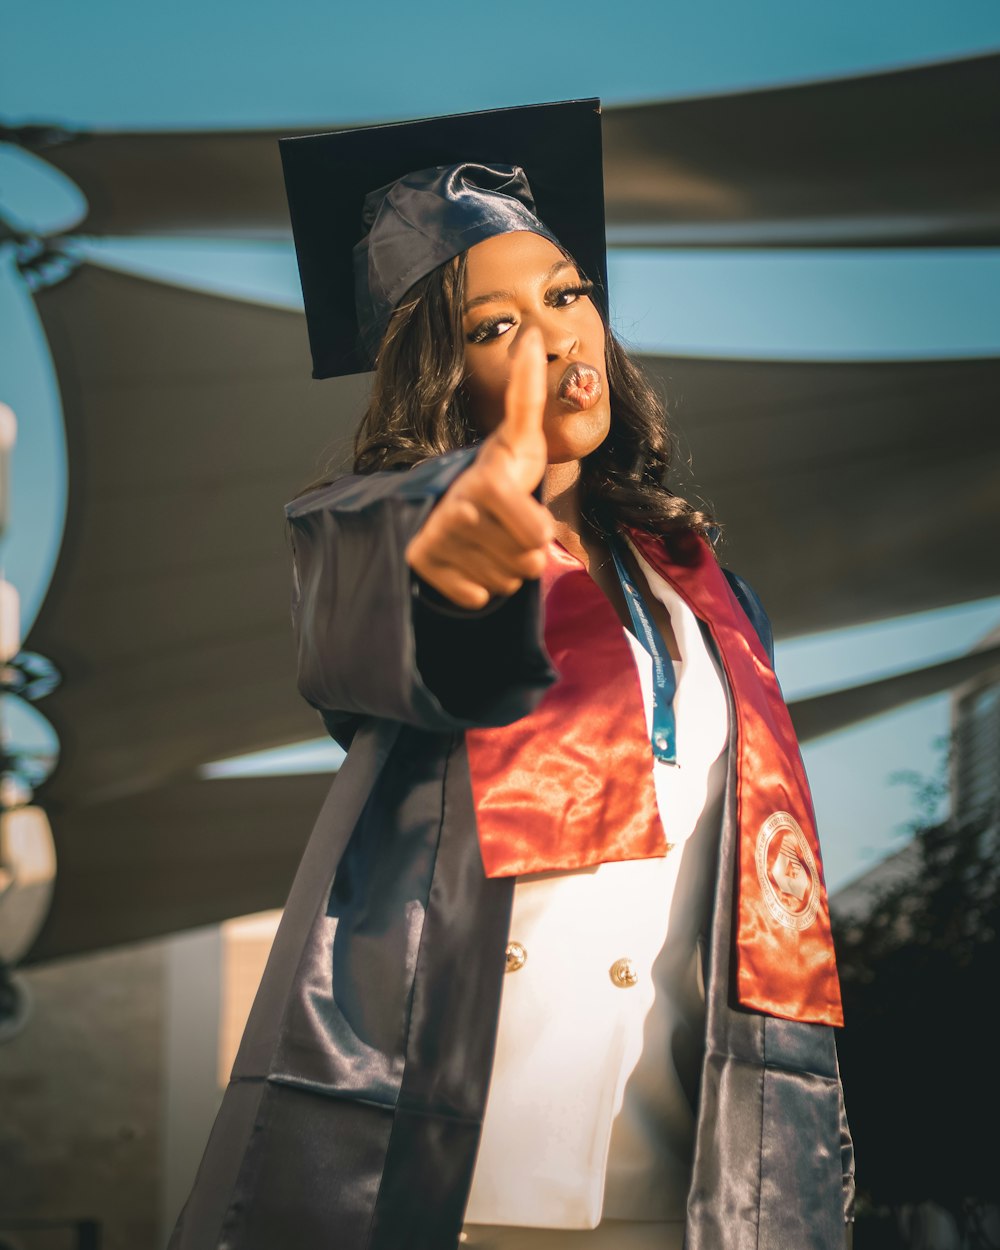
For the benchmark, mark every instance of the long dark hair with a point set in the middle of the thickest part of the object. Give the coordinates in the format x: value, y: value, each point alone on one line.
x: 418, y: 409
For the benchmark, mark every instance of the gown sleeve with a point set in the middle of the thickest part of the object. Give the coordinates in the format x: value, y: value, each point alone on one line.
x: 372, y: 640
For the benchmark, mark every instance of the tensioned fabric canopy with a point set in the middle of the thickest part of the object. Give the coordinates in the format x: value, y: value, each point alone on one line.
x: 849, y: 491
x: 194, y: 852
x: 904, y: 158
x: 189, y: 853
x: 190, y: 420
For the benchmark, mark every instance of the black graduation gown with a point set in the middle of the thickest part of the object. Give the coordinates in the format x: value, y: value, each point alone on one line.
x: 353, y: 1113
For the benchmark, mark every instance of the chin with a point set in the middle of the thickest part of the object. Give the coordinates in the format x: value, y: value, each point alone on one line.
x: 573, y: 435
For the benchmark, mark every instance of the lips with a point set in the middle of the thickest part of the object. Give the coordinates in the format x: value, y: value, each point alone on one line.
x: 580, y: 386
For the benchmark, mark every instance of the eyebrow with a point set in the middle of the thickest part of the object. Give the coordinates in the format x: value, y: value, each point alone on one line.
x: 498, y: 295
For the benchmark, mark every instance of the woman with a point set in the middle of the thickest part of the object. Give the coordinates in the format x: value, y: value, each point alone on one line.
x: 443, y: 1047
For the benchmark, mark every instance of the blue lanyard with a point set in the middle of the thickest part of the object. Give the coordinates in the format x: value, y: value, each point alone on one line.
x: 664, y: 735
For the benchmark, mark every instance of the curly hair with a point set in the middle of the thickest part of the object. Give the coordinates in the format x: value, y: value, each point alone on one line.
x: 418, y: 409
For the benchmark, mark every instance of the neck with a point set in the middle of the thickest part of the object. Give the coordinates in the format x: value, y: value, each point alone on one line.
x: 561, y: 495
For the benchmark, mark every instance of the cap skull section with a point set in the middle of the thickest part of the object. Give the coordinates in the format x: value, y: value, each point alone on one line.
x: 425, y: 218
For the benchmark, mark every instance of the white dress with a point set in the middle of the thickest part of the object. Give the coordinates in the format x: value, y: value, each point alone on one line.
x: 589, y: 1127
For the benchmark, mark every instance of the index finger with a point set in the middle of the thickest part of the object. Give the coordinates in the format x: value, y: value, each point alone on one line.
x: 524, y: 402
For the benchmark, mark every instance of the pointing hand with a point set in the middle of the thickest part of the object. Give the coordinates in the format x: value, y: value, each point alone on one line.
x: 488, y: 533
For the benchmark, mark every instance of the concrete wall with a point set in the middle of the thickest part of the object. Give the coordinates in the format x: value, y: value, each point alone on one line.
x: 108, y: 1095
x: 81, y: 1097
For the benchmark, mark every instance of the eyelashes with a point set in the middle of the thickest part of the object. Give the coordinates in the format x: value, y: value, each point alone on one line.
x: 486, y: 329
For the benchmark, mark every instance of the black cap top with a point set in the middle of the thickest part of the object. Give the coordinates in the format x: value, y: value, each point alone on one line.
x: 375, y: 209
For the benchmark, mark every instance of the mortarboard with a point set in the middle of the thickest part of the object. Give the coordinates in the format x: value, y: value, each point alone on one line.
x: 329, y: 178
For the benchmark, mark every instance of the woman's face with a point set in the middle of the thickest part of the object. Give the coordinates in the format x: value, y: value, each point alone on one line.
x: 521, y: 279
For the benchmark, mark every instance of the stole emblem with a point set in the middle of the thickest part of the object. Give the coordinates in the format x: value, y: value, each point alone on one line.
x: 786, y: 869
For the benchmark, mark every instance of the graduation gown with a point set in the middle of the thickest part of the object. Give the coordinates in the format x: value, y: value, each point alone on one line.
x: 352, y: 1117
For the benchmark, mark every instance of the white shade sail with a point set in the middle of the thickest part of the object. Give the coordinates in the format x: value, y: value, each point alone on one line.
x: 907, y: 157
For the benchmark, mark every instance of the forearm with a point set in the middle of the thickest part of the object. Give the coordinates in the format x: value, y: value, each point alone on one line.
x: 369, y: 643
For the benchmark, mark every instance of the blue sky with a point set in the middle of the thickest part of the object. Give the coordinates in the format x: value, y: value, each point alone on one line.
x: 130, y: 65
x: 121, y: 65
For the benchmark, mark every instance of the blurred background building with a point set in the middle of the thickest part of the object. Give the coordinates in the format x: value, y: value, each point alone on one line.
x: 976, y: 746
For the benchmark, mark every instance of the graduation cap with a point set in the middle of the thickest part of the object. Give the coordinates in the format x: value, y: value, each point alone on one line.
x: 375, y: 209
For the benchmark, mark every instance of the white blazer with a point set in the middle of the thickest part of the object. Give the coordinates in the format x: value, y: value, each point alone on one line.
x: 601, y: 1029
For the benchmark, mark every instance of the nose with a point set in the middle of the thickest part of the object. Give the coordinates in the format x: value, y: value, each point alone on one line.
x: 560, y: 338
x: 561, y: 341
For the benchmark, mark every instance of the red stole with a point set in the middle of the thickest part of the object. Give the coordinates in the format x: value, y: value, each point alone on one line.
x: 571, y: 784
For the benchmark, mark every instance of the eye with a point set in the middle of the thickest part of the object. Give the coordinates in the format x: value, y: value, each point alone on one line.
x: 489, y: 329
x: 560, y: 297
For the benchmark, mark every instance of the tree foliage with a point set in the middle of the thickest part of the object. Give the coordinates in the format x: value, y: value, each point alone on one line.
x: 919, y: 1054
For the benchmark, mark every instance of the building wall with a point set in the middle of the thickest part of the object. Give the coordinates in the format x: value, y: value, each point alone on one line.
x: 108, y: 1094
x: 81, y: 1097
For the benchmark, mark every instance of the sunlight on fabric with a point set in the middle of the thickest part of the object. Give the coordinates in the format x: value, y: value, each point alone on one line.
x: 38, y: 459
x: 263, y: 273
x: 838, y: 304
x: 861, y: 653
x: 37, y: 197
x: 320, y: 755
